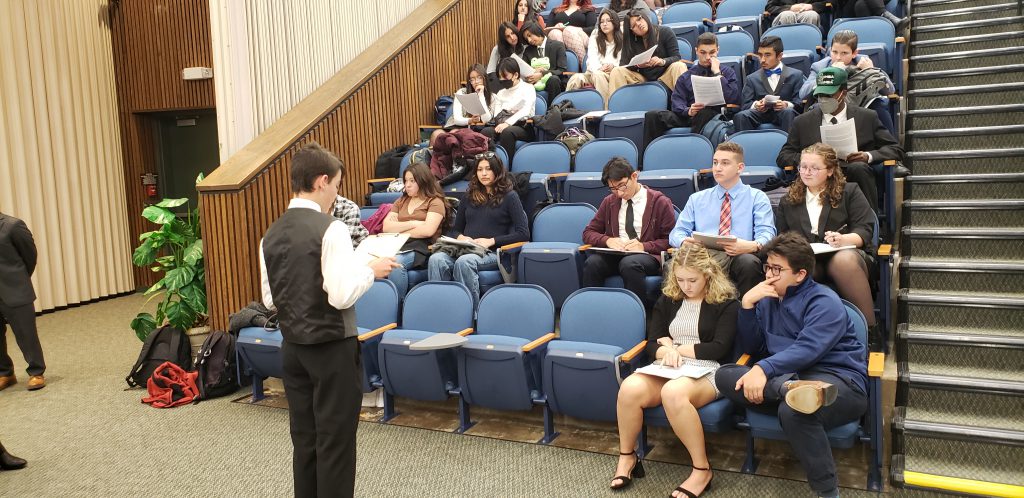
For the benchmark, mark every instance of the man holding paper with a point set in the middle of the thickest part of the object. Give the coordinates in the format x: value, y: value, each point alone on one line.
x: 771, y: 94
x: 737, y: 215
x: 634, y: 221
x: 856, y: 133
x: 698, y: 95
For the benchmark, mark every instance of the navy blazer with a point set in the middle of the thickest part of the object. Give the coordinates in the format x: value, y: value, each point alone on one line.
x: 788, y: 89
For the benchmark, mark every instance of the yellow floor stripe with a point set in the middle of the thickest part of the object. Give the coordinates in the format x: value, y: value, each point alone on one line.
x: 963, y: 485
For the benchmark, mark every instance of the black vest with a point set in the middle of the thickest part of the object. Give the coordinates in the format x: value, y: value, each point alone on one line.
x: 291, y: 249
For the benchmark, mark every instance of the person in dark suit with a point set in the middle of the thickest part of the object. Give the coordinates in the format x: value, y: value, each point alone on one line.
x: 633, y: 218
x: 539, y: 46
x: 771, y: 94
x: 312, y: 277
x: 874, y: 142
x: 823, y: 208
x: 9, y: 461
x: 693, y: 323
x: 17, y: 262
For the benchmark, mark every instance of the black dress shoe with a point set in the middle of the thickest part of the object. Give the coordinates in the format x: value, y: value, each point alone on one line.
x: 901, y: 171
x: 9, y: 461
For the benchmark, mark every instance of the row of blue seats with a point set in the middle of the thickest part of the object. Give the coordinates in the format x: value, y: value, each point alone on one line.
x: 512, y: 359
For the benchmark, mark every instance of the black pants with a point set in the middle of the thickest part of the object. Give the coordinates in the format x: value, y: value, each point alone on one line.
x: 323, y: 383
x: 864, y: 177
x: 23, y: 324
x: 745, y: 270
x: 862, y: 8
x: 656, y: 123
x: 634, y: 270
x: 507, y: 139
x: 806, y: 433
x: 553, y: 87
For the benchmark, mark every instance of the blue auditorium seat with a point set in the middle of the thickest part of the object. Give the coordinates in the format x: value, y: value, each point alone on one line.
x: 552, y: 258
x: 627, y: 107
x: 584, y: 183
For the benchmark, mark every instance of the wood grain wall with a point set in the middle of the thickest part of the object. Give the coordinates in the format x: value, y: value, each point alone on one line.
x: 152, y: 42
x: 375, y: 103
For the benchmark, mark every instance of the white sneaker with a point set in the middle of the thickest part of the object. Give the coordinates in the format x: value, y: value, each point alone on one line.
x: 370, y: 399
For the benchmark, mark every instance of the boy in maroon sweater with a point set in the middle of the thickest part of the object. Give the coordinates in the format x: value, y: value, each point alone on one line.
x: 633, y: 219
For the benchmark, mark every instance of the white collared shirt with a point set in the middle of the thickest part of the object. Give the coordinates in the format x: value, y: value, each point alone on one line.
x: 813, y: 203
x: 773, y: 84
x: 826, y: 119
x: 639, y: 203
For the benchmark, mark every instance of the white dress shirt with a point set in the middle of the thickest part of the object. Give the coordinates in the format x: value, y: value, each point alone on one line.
x: 826, y: 119
x: 595, y: 59
x: 346, y: 274
x: 813, y: 203
x: 639, y: 203
x: 773, y: 84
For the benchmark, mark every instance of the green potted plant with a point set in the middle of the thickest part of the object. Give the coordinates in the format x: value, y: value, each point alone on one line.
x: 175, y: 249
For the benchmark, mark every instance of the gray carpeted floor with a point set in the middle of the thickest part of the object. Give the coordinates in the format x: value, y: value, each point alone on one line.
x: 85, y: 436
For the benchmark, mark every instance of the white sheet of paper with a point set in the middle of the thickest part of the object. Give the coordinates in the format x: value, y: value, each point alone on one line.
x: 471, y: 104
x: 842, y: 137
x: 382, y: 245
x: 642, y: 57
x: 525, y: 69
x: 712, y: 241
x: 691, y: 371
x: 595, y: 114
x: 707, y: 90
x: 820, y: 248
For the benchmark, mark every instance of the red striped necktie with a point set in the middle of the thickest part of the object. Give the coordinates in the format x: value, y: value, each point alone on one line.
x: 725, y: 220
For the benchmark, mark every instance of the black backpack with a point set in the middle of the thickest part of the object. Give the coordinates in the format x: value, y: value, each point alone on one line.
x: 390, y: 161
x: 166, y: 343
x: 215, y: 363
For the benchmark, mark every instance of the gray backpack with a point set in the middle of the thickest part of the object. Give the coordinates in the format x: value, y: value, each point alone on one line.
x: 865, y: 85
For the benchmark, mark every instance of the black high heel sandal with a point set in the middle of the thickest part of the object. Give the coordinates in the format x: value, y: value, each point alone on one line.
x: 637, y: 470
x: 689, y: 493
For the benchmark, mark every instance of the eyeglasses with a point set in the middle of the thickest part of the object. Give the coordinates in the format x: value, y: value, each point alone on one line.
x: 484, y: 155
x: 804, y: 168
x: 774, y: 270
x: 620, y: 188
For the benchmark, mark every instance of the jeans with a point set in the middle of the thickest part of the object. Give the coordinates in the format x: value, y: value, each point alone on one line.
x: 466, y: 269
x: 400, y: 276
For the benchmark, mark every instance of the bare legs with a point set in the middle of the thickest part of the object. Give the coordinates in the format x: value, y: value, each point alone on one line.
x: 681, y: 398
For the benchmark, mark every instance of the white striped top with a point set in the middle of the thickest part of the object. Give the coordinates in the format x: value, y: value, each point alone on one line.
x: 683, y: 330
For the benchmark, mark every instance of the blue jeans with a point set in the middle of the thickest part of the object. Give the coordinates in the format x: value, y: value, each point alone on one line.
x: 400, y: 276
x: 466, y: 269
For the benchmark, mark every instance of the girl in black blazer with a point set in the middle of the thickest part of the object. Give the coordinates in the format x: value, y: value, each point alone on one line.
x: 693, y: 322
x: 825, y: 209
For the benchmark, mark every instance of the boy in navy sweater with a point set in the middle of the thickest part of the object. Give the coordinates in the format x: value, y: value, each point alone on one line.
x: 814, y: 369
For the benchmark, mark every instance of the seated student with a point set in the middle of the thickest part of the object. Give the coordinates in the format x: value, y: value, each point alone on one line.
x: 684, y: 110
x: 622, y: 7
x: 491, y: 216
x: 869, y: 8
x: 774, y: 82
x: 476, y: 83
x: 510, y: 106
x: 814, y: 371
x: 633, y: 218
x: 693, y: 323
x: 665, y: 66
x: 874, y: 143
x: 508, y: 44
x: 348, y: 212
x: 822, y: 207
x: 524, y: 12
x: 421, y: 212
x: 547, y: 57
x: 843, y: 54
x: 602, y: 56
x: 730, y: 208
x: 794, y: 12
x: 571, y: 23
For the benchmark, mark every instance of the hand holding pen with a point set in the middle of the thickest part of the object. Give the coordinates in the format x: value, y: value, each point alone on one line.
x: 835, y: 239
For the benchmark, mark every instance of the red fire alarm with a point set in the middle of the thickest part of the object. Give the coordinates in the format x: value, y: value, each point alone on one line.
x: 149, y: 184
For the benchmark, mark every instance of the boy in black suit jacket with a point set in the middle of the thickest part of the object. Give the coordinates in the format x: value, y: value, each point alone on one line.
x: 539, y: 46
x: 17, y: 262
x: 771, y: 94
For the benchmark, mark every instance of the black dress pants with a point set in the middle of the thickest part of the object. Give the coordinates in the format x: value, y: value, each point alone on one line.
x: 657, y: 123
x: 323, y: 383
x: 507, y: 139
x: 634, y: 270
x: 23, y: 324
x: 864, y: 177
x: 806, y: 433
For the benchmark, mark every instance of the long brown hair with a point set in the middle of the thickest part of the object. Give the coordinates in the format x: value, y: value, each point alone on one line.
x: 602, y: 41
x: 834, y: 185
x: 717, y: 289
x: 501, y: 185
x: 429, y: 188
x: 584, y: 5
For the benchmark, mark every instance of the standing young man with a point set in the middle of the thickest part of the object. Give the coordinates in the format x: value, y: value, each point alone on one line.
x: 813, y: 374
x: 634, y: 219
x: 310, y: 273
x: 17, y: 262
x: 730, y: 208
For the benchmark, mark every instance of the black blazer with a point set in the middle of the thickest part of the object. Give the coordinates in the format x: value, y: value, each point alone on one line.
x: 852, y: 211
x: 872, y: 137
x: 555, y: 52
x: 789, y: 87
x: 17, y: 262
x: 716, y: 327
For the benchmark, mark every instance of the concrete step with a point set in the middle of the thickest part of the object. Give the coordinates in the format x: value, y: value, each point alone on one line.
x: 977, y: 459
x: 962, y: 59
x: 963, y: 276
x: 962, y: 313
x: 966, y: 213
x: 1009, y: 160
x: 969, y: 42
x: 1010, y: 71
x: 967, y: 28
x: 961, y: 14
x: 995, y: 108
x: 964, y: 186
x: 960, y: 138
x: 928, y: 6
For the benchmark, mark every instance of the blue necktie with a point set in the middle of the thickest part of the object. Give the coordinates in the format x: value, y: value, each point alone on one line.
x: 769, y: 72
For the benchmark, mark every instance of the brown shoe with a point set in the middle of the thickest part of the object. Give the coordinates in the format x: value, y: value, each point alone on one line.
x: 807, y: 396
x: 36, y: 382
x: 7, y: 381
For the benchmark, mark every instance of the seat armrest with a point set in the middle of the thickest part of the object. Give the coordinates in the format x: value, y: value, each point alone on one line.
x: 889, y: 162
x: 556, y: 175
x: 885, y: 250
x: 380, y: 180
x: 632, y: 353
x: 465, y: 332
x: 743, y: 359
x: 876, y: 364
x: 900, y: 39
x: 540, y: 341
x: 509, y: 247
x: 430, y: 126
x: 376, y: 332
x: 584, y: 247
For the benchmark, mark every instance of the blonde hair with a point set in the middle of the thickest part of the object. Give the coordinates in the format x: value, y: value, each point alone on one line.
x: 718, y: 289
x: 834, y: 185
